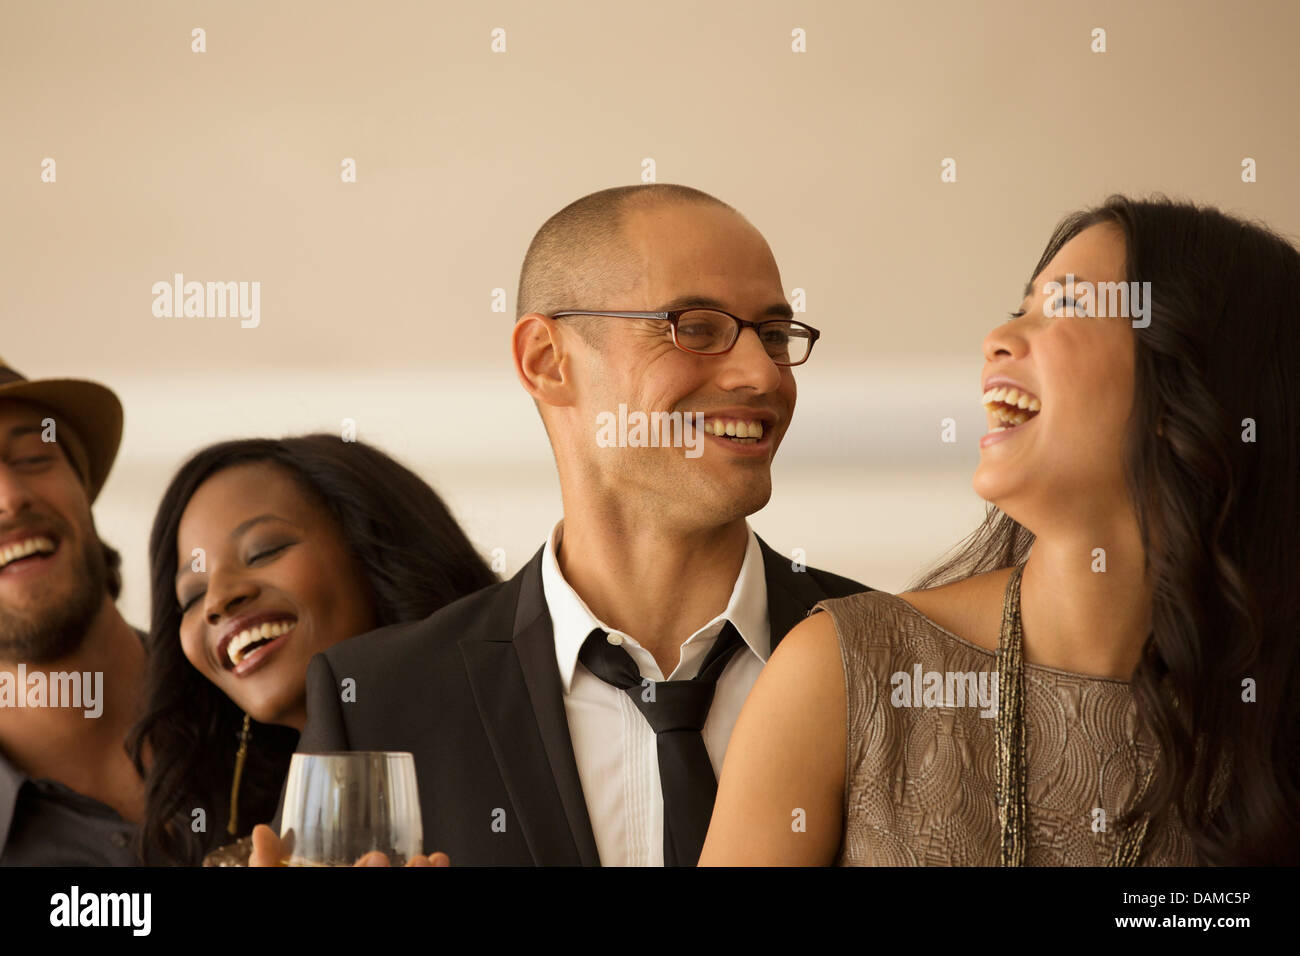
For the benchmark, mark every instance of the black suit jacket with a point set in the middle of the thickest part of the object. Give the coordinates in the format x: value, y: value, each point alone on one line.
x: 474, y: 692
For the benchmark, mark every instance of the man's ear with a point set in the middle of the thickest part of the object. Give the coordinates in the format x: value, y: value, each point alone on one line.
x: 541, y: 362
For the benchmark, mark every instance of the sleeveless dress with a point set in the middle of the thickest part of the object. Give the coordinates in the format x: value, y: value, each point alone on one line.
x: 920, y: 771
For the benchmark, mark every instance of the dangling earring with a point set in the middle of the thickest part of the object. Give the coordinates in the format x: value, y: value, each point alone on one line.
x: 244, y: 735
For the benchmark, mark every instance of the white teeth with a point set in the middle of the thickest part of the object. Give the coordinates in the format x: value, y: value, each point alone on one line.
x: 235, y: 649
x: 21, y: 549
x: 735, y: 428
x: 1002, y: 402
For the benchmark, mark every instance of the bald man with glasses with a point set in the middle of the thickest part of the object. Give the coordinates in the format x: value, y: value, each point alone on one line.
x: 579, y: 712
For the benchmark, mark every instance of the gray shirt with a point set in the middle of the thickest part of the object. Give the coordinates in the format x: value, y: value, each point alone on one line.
x: 44, y: 823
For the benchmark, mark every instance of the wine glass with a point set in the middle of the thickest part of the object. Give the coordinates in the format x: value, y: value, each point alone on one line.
x: 340, y: 806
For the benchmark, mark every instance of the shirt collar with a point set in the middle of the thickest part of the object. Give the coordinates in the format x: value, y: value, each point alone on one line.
x: 572, y: 620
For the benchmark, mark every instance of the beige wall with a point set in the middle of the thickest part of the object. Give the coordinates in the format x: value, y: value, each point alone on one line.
x: 225, y: 166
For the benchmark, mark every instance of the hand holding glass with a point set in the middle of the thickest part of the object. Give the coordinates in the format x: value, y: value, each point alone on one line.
x: 340, y: 806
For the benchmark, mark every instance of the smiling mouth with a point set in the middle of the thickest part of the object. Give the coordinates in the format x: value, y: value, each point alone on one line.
x: 250, y: 639
x: 1010, y: 407
x: 37, y: 546
x: 741, y: 431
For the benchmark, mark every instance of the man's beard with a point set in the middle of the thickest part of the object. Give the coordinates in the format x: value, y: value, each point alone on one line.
x: 57, y: 631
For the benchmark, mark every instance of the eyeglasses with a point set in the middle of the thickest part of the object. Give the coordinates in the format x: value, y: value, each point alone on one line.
x: 714, y: 332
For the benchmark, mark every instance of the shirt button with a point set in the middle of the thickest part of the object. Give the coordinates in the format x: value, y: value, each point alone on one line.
x: 119, y: 839
x: 614, y: 639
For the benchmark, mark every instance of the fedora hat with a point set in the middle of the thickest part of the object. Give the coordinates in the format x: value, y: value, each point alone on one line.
x: 88, y: 417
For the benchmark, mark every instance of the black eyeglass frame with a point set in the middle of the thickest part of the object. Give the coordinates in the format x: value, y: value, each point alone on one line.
x: 741, y: 325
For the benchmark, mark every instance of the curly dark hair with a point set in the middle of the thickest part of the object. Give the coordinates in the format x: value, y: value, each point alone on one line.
x: 415, y: 559
x: 1219, y: 517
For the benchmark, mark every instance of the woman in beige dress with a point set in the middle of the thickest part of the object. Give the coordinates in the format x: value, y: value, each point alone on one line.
x: 1106, y: 672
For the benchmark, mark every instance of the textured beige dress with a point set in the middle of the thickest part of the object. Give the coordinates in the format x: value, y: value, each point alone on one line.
x: 920, y: 780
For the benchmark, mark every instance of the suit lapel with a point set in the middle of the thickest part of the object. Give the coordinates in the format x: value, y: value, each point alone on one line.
x: 520, y: 699
x: 791, y: 594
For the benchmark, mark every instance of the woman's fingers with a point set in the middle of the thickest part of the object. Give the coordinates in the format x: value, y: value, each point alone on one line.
x: 266, y: 847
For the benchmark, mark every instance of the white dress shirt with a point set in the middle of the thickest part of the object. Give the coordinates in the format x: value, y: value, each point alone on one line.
x: 618, y: 762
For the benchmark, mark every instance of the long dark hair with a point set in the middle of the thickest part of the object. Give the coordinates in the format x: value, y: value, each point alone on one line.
x: 414, y: 558
x: 1219, y: 516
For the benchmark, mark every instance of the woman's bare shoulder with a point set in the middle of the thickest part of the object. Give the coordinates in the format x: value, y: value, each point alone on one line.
x: 810, y: 645
x: 970, y: 608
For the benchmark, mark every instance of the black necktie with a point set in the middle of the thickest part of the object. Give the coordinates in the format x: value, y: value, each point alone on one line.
x: 676, y: 711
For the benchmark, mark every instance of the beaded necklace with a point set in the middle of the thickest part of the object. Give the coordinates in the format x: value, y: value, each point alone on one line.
x: 1010, y: 750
